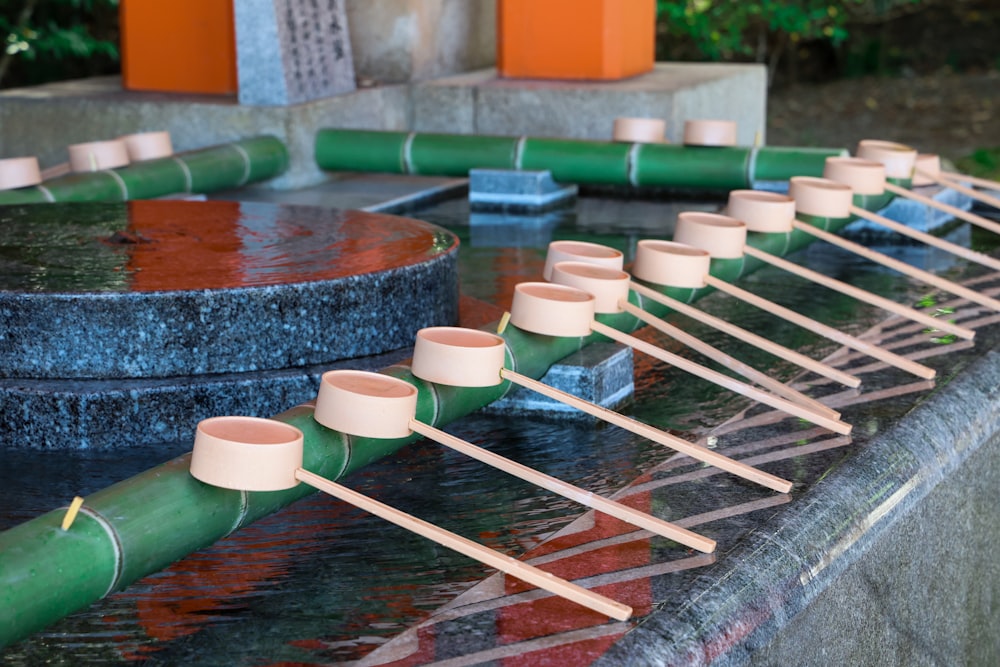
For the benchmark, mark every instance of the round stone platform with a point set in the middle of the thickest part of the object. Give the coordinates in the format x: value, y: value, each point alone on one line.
x: 167, y: 288
x: 125, y: 324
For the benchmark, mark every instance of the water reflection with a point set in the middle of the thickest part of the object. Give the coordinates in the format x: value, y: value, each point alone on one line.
x: 145, y: 246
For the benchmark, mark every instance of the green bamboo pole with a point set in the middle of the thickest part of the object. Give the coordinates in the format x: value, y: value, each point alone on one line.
x: 199, y: 171
x: 141, y: 525
x: 569, y: 160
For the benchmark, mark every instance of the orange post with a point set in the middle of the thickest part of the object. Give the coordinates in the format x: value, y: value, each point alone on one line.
x: 575, y: 39
x: 183, y: 46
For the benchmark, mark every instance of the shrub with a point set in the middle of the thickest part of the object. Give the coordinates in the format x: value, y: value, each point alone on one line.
x: 45, y: 40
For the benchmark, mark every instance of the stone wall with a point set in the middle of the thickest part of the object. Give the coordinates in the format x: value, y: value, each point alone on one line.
x: 395, y: 41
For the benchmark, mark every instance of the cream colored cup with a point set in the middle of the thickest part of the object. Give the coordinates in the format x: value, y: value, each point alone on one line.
x: 928, y: 163
x: 710, y: 133
x: 898, y: 159
x: 458, y: 357
x: 639, y: 130
x: 720, y: 235
x: 148, y: 145
x: 552, y: 310
x: 19, y: 172
x: 821, y: 196
x: 98, y: 155
x: 765, y: 212
x: 608, y: 286
x: 247, y: 453
x: 864, y: 177
x: 671, y: 264
x: 367, y: 404
x: 581, y: 251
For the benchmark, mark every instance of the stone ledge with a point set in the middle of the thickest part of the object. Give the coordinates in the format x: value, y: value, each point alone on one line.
x: 43, y: 120
x: 482, y: 103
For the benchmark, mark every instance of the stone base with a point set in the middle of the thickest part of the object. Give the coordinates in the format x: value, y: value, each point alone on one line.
x: 914, y: 214
x: 506, y: 189
x: 482, y: 103
x: 115, y: 414
x: 43, y: 120
x: 600, y: 373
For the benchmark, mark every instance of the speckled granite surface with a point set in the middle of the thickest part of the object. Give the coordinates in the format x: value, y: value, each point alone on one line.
x: 183, y: 310
x: 162, y: 289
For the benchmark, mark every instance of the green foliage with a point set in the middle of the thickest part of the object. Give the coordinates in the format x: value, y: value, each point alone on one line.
x: 764, y: 31
x: 984, y: 163
x: 735, y: 30
x: 49, y: 39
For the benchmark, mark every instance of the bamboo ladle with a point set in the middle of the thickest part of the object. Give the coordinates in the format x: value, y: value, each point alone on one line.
x: 253, y: 454
x: 19, y: 172
x: 613, y: 261
x: 379, y: 406
x: 113, y: 153
x: 610, y: 289
x: 900, y: 161
x: 825, y: 198
x: 709, y: 132
x: 730, y: 246
x: 657, y: 267
x: 639, y: 130
x: 471, y: 358
x: 773, y: 213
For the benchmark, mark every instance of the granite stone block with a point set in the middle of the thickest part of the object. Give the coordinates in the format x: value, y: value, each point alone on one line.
x: 398, y: 41
x: 125, y: 413
x: 914, y: 214
x: 600, y: 373
x: 292, y: 51
x: 507, y: 188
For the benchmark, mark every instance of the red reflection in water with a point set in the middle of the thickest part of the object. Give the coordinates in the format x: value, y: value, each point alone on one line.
x: 216, y: 244
x: 181, y: 599
x: 550, y: 630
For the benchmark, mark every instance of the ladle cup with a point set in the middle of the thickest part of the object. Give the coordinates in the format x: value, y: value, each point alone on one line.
x: 147, y: 145
x: 770, y: 213
x: 826, y: 198
x: 253, y: 454
x: 610, y: 289
x: 725, y: 237
x: 592, y: 253
x: 639, y: 130
x: 900, y: 161
x: 379, y: 406
x: 704, y: 132
x: 98, y: 155
x: 19, y: 172
x: 464, y: 358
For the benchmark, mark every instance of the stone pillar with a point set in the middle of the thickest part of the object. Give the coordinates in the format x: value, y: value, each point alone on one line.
x: 397, y: 41
x: 292, y: 51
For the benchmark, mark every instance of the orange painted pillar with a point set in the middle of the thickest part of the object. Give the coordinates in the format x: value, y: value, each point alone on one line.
x: 182, y: 46
x: 575, y: 39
